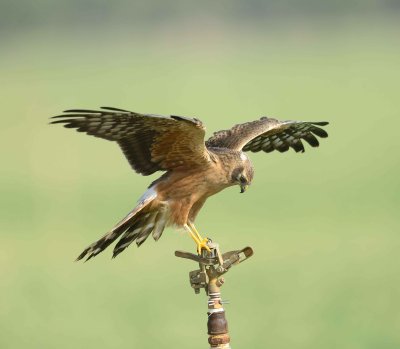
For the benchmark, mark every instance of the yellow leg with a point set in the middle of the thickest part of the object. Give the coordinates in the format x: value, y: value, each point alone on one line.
x: 200, y: 242
x: 193, y: 228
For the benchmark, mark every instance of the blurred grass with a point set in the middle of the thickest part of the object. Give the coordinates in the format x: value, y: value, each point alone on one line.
x: 324, y: 225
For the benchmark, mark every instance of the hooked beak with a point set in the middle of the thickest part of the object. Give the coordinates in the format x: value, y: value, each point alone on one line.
x: 243, y: 188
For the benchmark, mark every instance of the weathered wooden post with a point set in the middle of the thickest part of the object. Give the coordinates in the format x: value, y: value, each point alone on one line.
x: 213, y: 265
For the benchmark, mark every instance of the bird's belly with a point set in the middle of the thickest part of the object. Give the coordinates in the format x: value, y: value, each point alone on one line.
x: 183, y: 193
x: 190, y: 187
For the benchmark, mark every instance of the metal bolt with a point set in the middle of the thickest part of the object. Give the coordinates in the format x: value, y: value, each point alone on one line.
x: 220, y: 269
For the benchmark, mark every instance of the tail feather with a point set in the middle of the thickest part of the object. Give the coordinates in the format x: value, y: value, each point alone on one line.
x: 148, y: 227
x: 138, y: 232
x: 144, y: 234
x: 137, y: 225
x: 98, y: 246
x: 130, y: 235
x: 160, y: 223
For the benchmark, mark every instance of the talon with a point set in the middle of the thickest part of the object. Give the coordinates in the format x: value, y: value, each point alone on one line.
x: 202, y: 245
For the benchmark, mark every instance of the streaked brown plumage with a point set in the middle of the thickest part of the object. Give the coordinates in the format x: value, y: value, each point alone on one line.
x: 194, y: 169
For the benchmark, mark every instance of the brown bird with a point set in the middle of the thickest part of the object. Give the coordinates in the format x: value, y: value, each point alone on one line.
x: 194, y: 168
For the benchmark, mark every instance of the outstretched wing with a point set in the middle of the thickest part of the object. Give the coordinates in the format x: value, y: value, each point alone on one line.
x: 149, y: 142
x: 269, y: 134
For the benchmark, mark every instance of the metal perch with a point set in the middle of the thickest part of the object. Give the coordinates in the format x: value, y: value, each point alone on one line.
x: 213, y: 265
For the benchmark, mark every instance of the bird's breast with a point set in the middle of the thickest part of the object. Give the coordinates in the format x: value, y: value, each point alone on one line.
x: 195, y: 184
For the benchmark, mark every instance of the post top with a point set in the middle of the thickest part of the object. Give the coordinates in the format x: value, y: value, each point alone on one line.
x: 213, y: 265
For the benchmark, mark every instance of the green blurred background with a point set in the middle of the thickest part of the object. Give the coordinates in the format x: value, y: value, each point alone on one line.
x: 324, y: 224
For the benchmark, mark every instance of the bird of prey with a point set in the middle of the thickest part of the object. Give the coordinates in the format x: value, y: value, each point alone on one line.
x: 194, y: 169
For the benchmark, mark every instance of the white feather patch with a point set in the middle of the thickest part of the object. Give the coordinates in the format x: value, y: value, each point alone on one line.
x: 149, y: 194
x: 243, y: 156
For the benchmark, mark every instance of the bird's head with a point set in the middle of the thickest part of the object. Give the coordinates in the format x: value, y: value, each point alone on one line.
x: 242, y: 175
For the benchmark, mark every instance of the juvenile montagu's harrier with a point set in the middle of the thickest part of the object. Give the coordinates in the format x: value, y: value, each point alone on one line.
x: 194, y: 168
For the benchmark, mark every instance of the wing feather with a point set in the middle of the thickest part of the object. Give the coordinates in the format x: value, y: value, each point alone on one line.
x: 268, y: 134
x: 150, y: 142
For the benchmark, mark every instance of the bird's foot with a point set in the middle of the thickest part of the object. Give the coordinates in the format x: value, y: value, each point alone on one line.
x: 202, y: 245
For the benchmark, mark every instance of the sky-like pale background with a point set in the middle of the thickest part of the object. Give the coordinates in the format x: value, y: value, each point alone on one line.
x: 324, y: 225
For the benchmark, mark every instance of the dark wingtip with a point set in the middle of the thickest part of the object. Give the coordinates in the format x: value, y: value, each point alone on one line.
x: 320, y: 123
x: 115, y: 109
x: 65, y: 118
x: 87, y: 111
x: 320, y: 132
x: 58, y: 119
x: 57, y: 122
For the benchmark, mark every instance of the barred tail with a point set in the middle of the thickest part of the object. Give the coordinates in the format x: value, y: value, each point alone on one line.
x: 137, y: 225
